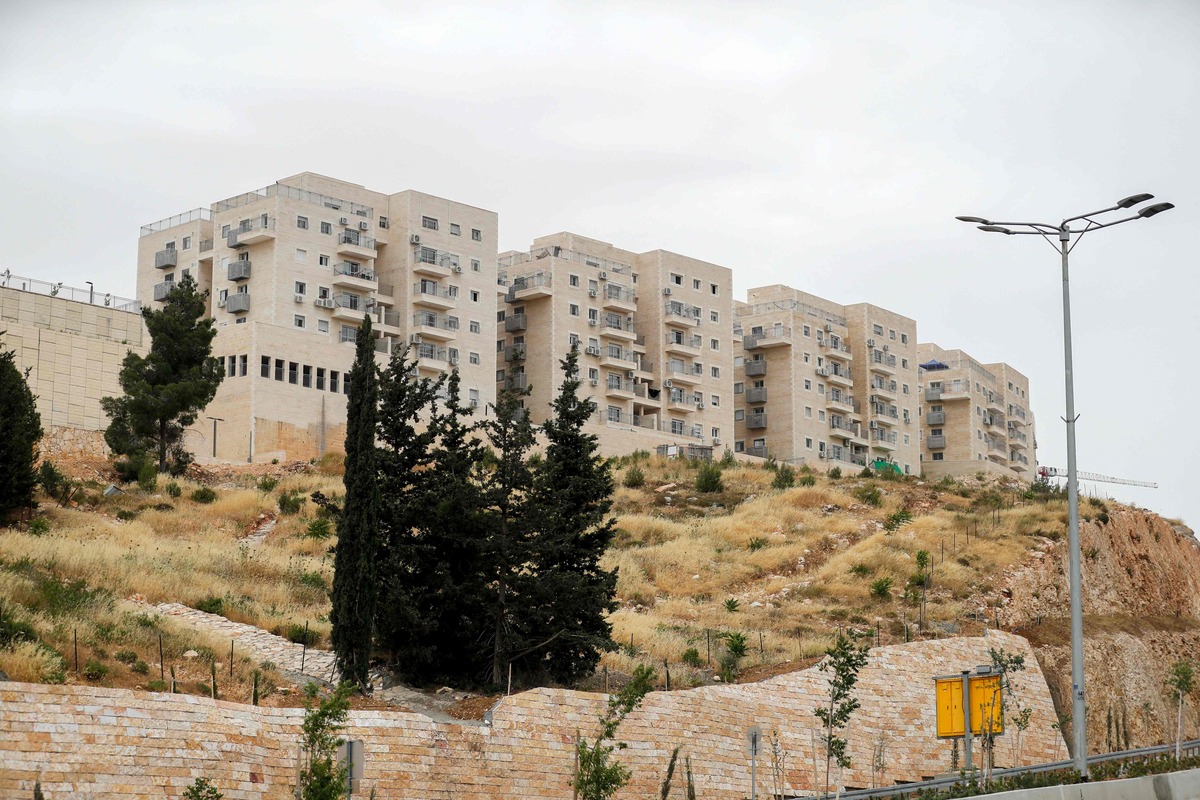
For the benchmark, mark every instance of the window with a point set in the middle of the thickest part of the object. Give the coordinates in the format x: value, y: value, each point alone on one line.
x: 904, y: 363
x: 455, y: 230
x: 939, y: 456
x: 906, y: 388
x: 807, y: 356
x: 739, y: 447
x: 593, y: 374
x: 323, y: 261
x: 716, y: 372
x: 187, y: 243
x: 696, y: 284
x: 474, y: 265
x: 333, y: 380
x: 715, y: 401
x: 712, y: 287
x: 677, y: 279
x: 677, y: 427
x: 808, y: 443
x: 473, y: 358
x: 474, y: 296
x: 807, y: 385
x: 739, y: 388
x: 307, y: 377
x: 739, y: 414
x: 714, y: 316
x: 574, y: 309
x: 891, y: 334
x: 476, y: 235
x: 293, y: 372
x: 279, y: 369
x: 383, y: 222
x: 715, y: 433
x: 573, y: 280
x: 301, y: 287
x: 169, y: 245
x: 231, y: 365
x: 326, y: 227
x: 243, y: 365
x: 473, y: 398
x: 264, y: 370
x: 474, y: 326
x: 878, y: 329
x: 904, y: 338
x: 808, y: 412
x: 302, y: 223
x: 820, y: 415
x: 430, y: 223
x: 224, y: 231
x: 301, y: 256
x: 298, y: 320
x: 323, y: 326
x: 714, y: 344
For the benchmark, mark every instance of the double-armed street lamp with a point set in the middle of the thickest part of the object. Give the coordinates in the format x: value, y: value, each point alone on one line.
x: 1068, y: 237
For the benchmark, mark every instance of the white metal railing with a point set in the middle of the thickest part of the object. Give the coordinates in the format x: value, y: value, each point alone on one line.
x: 90, y: 296
x: 195, y: 215
x: 553, y: 251
x: 789, y: 305
x: 283, y: 190
x: 352, y: 270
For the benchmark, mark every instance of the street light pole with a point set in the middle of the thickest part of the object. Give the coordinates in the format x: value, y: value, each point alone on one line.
x: 1064, y: 233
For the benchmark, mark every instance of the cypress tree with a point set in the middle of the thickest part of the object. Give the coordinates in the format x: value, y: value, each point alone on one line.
x: 354, y: 565
x: 572, y: 497
x: 20, y: 430
x: 165, y: 391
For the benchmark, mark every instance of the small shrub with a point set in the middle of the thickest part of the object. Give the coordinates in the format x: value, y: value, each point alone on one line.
x: 727, y: 459
x: 314, y: 580
x: 201, y: 789
x: 807, y: 480
x: 38, y: 526
x: 93, y: 670
x: 126, y: 656
x: 708, y: 478
x: 785, y: 477
x: 290, y: 502
x: 302, y: 635
x: 881, y: 589
x: 896, y: 520
x: 634, y: 477
x: 866, y: 473
x: 691, y: 657
x: 835, y: 473
x: 174, y: 489
x: 869, y: 495
x: 732, y: 605
x: 164, y: 507
x: 266, y: 484
x: 204, y: 495
x: 211, y: 605
x: 126, y: 515
x: 319, y: 528
x: 13, y: 629
x: 757, y: 543
x: 140, y: 667
x: 860, y: 570
x: 735, y: 643
x: 157, y: 685
x: 147, y: 477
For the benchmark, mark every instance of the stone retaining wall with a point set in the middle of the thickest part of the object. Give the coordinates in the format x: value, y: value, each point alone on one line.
x: 94, y: 742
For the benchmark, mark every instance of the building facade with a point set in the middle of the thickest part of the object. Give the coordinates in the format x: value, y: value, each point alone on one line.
x: 824, y: 384
x: 652, y: 330
x: 292, y: 269
x: 976, y: 416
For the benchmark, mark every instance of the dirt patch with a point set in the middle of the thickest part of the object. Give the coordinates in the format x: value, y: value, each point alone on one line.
x: 473, y: 708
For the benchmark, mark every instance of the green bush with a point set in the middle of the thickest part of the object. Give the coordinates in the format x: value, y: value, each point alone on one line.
x: 860, y: 570
x: 147, y: 476
x: 881, y: 589
x: 290, y: 502
x: 691, y: 657
x: 211, y: 605
x: 140, y: 667
x: 732, y: 605
x: 708, y: 478
x: 13, y: 629
x: 835, y: 473
x: 157, y: 685
x: 204, y: 495
x: 314, y: 580
x: 126, y: 515
x: 266, y: 484
x: 302, y: 635
x: 807, y: 480
x: 126, y: 656
x: 785, y: 477
x: 38, y: 526
x: 319, y: 528
x: 757, y: 543
x: 174, y: 489
x: 727, y: 459
x: 93, y: 670
x: 870, y: 495
x: 201, y: 789
x: 634, y: 477
x: 866, y: 473
x: 897, y: 519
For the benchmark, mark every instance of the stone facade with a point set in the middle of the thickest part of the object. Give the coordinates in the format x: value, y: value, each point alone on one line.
x: 85, y: 741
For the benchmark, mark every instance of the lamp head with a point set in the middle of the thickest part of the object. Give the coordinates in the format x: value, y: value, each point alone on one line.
x: 973, y: 220
x: 1157, y: 208
x: 1133, y: 200
x: 995, y: 229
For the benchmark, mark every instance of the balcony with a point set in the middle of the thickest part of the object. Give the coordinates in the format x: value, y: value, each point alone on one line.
x: 431, y: 358
x: 936, y: 418
x: 843, y: 427
x: 778, y: 336
x: 353, y: 244
x: 682, y: 373
x: 161, y: 290
x: 995, y: 421
x: 1018, y: 439
x: 238, y: 303
x: 385, y: 294
x: 618, y: 328
x: 388, y: 322
x: 514, y: 352
x: 348, y: 275
x: 883, y: 440
x: 839, y: 376
x: 678, y: 400
x: 883, y: 362
x: 840, y: 401
x: 756, y: 421
x: 252, y: 232
x: 435, y: 326
x: 645, y: 365
x: 756, y: 394
x: 757, y: 452
x: 206, y: 250
x: 835, y: 348
x: 756, y: 368
x: 619, y: 358
x: 886, y: 389
x: 517, y: 381
x: 529, y: 287
x: 995, y: 403
x: 440, y: 264
x: 620, y: 389
x: 165, y: 259
x: 428, y: 293
x: 238, y: 270
x: 935, y: 442
x: 514, y: 322
x: 618, y: 298
x: 684, y: 345
x: 349, y: 308
x: 682, y: 314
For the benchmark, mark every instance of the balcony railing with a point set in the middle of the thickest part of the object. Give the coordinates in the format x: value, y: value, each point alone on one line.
x: 513, y: 352
x: 352, y: 270
x: 756, y: 394
x: 238, y: 270
x: 619, y: 294
x: 674, y: 308
x: 356, y: 239
x: 428, y: 320
x: 756, y: 368
x: 757, y: 452
x: 884, y: 359
x: 841, y: 397
x: 514, y: 322
x: 619, y: 324
x: 164, y: 259
x: 433, y: 290
x: 756, y: 421
x: 935, y: 442
x: 206, y: 245
x: 936, y: 418
x: 195, y: 215
x: 161, y: 290
x: 238, y: 303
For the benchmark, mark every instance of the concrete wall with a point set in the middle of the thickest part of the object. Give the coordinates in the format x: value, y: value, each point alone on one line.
x: 1172, y: 786
x: 86, y: 741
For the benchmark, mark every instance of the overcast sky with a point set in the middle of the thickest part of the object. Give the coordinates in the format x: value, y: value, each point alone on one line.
x: 823, y: 145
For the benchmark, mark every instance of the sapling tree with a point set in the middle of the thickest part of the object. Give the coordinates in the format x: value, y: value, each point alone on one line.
x: 842, y: 662
x: 1182, y: 682
x: 596, y: 776
x: 321, y: 777
x: 1004, y: 666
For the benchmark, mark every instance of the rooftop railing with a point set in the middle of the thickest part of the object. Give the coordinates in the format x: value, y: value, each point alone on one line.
x: 283, y: 190
x: 195, y: 215
x: 537, y: 254
x: 90, y: 296
x: 789, y: 305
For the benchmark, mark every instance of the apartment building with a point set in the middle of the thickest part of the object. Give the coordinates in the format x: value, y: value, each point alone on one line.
x: 976, y: 416
x: 292, y: 269
x: 824, y: 384
x: 652, y: 329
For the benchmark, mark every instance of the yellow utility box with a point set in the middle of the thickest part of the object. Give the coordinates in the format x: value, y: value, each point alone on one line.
x: 987, y: 705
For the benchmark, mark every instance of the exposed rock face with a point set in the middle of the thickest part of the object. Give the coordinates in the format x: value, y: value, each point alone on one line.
x: 1141, y: 601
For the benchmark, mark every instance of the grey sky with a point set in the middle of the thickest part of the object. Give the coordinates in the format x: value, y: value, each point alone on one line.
x: 823, y: 145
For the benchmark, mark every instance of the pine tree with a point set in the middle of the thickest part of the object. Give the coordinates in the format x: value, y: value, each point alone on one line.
x: 20, y: 430
x: 165, y: 390
x: 505, y: 545
x: 572, y: 497
x: 354, y: 564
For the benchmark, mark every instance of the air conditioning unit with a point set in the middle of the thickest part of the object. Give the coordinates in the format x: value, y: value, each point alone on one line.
x: 415, y: 338
x: 323, y: 302
x: 603, y: 276
x: 822, y: 371
x: 667, y: 291
x: 474, y: 403
x: 629, y: 374
x: 821, y: 454
x: 874, y: 425
x: 593, y: 351
x: 870, y: 342
x: 221, y: 303
x: 716, y: 441
x: 592, y: 292
x: 828, y: 327
x: 343, y: 221
x: 668, y: 384
x: 593, y: 323
x: 453, y: 361
x: 700, y: 405
x: 414, y: 238
x: 299, y: 298
x: 885, y: 348
x: 457, y: 268
x: 594, y: 381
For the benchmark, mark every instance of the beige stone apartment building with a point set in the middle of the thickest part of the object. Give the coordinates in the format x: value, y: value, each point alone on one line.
x: 976, y: 416
x: 823, y: 384
x: 293, y: 268
x: 653, y: 333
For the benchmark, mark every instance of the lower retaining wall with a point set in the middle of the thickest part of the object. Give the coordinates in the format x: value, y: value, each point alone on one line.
x: 1171, y: 786
x: 96, y: 742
